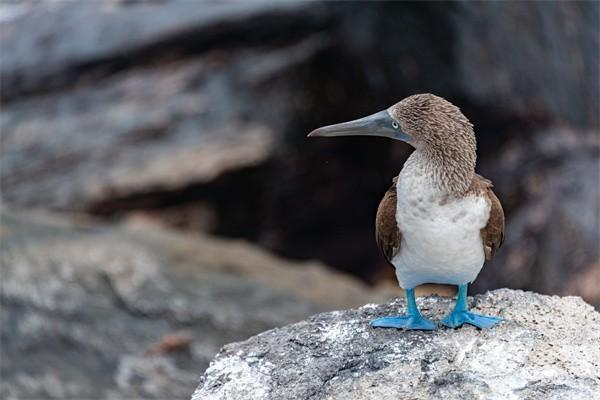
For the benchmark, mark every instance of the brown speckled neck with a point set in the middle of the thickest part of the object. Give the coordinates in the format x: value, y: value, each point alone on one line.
x: 451, y: 167
x: 443, y: 138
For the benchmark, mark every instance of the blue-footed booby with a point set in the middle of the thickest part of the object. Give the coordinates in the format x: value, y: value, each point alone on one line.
x: 439, y: 221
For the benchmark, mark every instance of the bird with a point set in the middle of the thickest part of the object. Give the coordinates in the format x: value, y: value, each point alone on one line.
x: 440, y: 220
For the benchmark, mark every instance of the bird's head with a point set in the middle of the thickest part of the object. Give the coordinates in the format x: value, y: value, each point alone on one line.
x: 426, y: 121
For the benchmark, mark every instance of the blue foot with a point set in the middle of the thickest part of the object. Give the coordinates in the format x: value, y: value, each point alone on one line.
x: 409, y: 322
x: 459, y: 318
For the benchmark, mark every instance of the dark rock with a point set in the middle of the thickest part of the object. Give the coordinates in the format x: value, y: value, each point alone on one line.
x: 180, y: 109
x: 550, y: 185
x: 156, y: 129
x: 516, y: 58
x: 65, y: 41
x: 545, y: 348
x: 90, y: 311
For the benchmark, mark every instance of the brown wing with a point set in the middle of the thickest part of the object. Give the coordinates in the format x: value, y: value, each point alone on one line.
x: 493, y: 233
x: 387, y: 233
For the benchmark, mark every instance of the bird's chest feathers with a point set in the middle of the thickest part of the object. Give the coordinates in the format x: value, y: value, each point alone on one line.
x: 441, y: 241
x: 423, y: 209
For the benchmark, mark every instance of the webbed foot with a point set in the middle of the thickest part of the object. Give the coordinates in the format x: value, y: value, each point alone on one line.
x: 459, y: 318
x: 409, y: 322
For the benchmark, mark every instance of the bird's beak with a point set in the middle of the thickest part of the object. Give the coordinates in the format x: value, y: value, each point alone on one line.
x: 378, y: 124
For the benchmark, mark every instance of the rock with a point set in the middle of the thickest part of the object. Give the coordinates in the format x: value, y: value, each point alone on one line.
x: 198, y: 117
x: 135, y: 312
x: 166, y: 117
x: 547, y: 348
x: 160, y: 129
x: 549, y: 185
x: 527, y: 75
x: 65, y: 41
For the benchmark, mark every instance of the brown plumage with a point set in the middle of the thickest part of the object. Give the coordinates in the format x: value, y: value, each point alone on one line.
x: 387, y: 234
x: 492, y: 234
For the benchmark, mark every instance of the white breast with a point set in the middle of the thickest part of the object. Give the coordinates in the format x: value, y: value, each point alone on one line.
x: 441, y: 240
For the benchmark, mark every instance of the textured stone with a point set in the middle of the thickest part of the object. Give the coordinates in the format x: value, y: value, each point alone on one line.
x: 547, y: 348
x: 91, y: 311
x: 152, y: 130
x: 74, y: 37
x: 153, y: 102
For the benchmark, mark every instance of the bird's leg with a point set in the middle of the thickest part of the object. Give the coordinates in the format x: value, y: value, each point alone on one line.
x: 412, y: 320
x: 460, y: 315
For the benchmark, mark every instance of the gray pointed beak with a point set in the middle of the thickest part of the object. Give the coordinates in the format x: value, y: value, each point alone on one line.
x: 378, y: 124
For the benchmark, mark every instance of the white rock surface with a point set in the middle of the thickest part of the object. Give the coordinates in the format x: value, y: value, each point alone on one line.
x: 547, y: 348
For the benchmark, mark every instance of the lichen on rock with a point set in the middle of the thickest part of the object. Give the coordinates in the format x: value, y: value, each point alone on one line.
x: 547, y: 347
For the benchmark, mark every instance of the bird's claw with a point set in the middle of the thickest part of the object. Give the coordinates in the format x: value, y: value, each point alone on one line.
x: 456, y: 319
x: 408, y: 322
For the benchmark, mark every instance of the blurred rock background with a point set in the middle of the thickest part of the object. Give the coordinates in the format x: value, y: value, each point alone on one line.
x: 139, y: 131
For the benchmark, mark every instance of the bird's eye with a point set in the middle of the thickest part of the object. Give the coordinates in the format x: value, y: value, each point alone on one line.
x: 395, y: 124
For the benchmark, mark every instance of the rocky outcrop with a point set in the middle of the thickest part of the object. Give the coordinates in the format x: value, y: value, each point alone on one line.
x: 91, y: 311
x: 147, y: 119
x: 547, y: 347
